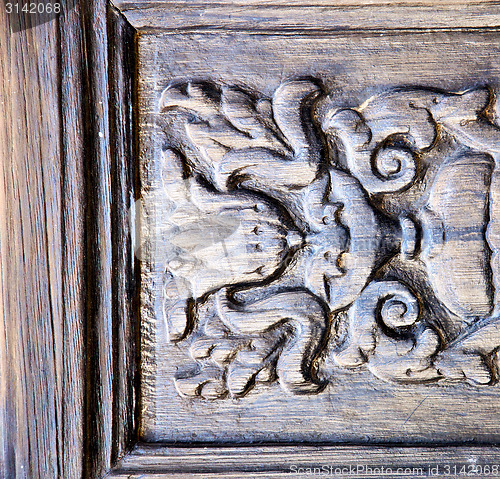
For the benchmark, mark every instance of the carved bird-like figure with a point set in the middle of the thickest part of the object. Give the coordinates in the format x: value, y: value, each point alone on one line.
x: 356, y: 209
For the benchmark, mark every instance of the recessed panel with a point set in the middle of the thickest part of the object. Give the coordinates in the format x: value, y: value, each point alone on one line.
x: 318, y: 237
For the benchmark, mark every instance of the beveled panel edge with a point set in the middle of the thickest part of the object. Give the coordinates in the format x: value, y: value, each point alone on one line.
x: 122, y: 57
x: 109, y: 331
x: 323, y: 16
x: 298, y: 461
x: 111, y: 316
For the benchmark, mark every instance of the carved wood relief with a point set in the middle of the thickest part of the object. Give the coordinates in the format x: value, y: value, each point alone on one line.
x: 306, y: 235
x: 318, y: 238
x: 254, y: 239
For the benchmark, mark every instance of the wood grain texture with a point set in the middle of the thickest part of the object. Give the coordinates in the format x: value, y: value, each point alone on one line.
x: 99, y: 337
x: 153, y: 462
x: 33, y: 300
x: 67, y: 313
x: 67, y: 330
x: 42, y: 252
x: 313, y: 17
x: 73, y: 230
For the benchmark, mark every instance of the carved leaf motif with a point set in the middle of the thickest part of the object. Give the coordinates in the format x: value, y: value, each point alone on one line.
x: 242, y: 141
x: 474, y: 355
x: 263, y: 342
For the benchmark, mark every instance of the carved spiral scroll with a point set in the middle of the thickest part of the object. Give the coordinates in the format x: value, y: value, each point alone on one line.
x: 291, y: 236
x: 399, y: 309
x: 404, y: 356
x: 382, y: 302
x: 396, y: 166
x: 384, y: 165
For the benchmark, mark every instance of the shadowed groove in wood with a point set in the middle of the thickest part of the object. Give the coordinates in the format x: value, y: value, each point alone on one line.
x: 122, y: 97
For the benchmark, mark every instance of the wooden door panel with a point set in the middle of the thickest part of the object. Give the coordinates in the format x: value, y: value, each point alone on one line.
x: 250, y: 240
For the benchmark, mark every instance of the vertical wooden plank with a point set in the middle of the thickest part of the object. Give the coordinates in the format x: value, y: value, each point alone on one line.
x: 72, y: 56
x: 30, y: 261
x: 42, y: 245
x: 62, y: 413
x: 99, y: 330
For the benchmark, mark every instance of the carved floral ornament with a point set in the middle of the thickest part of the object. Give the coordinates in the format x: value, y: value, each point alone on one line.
x: 307, y: 236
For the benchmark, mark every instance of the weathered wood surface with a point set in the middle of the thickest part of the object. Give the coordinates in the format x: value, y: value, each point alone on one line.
x: 308, y: 17
x: 41, y: 264
x: 234, y: 140
x: 155, y: 462
x: 99, y: 338
x: 72, y: 231
x: 68, y: 383
x: 64, y: 410
x: 110, y: 316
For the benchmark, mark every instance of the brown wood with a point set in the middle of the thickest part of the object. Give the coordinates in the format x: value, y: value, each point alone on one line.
x: 361, y: 461
x: 203, y: 325
x: 65, y: 413
x: 114, y: 113
x: 42, y: 252
x: 308, y: 17
x: 122, y: 101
